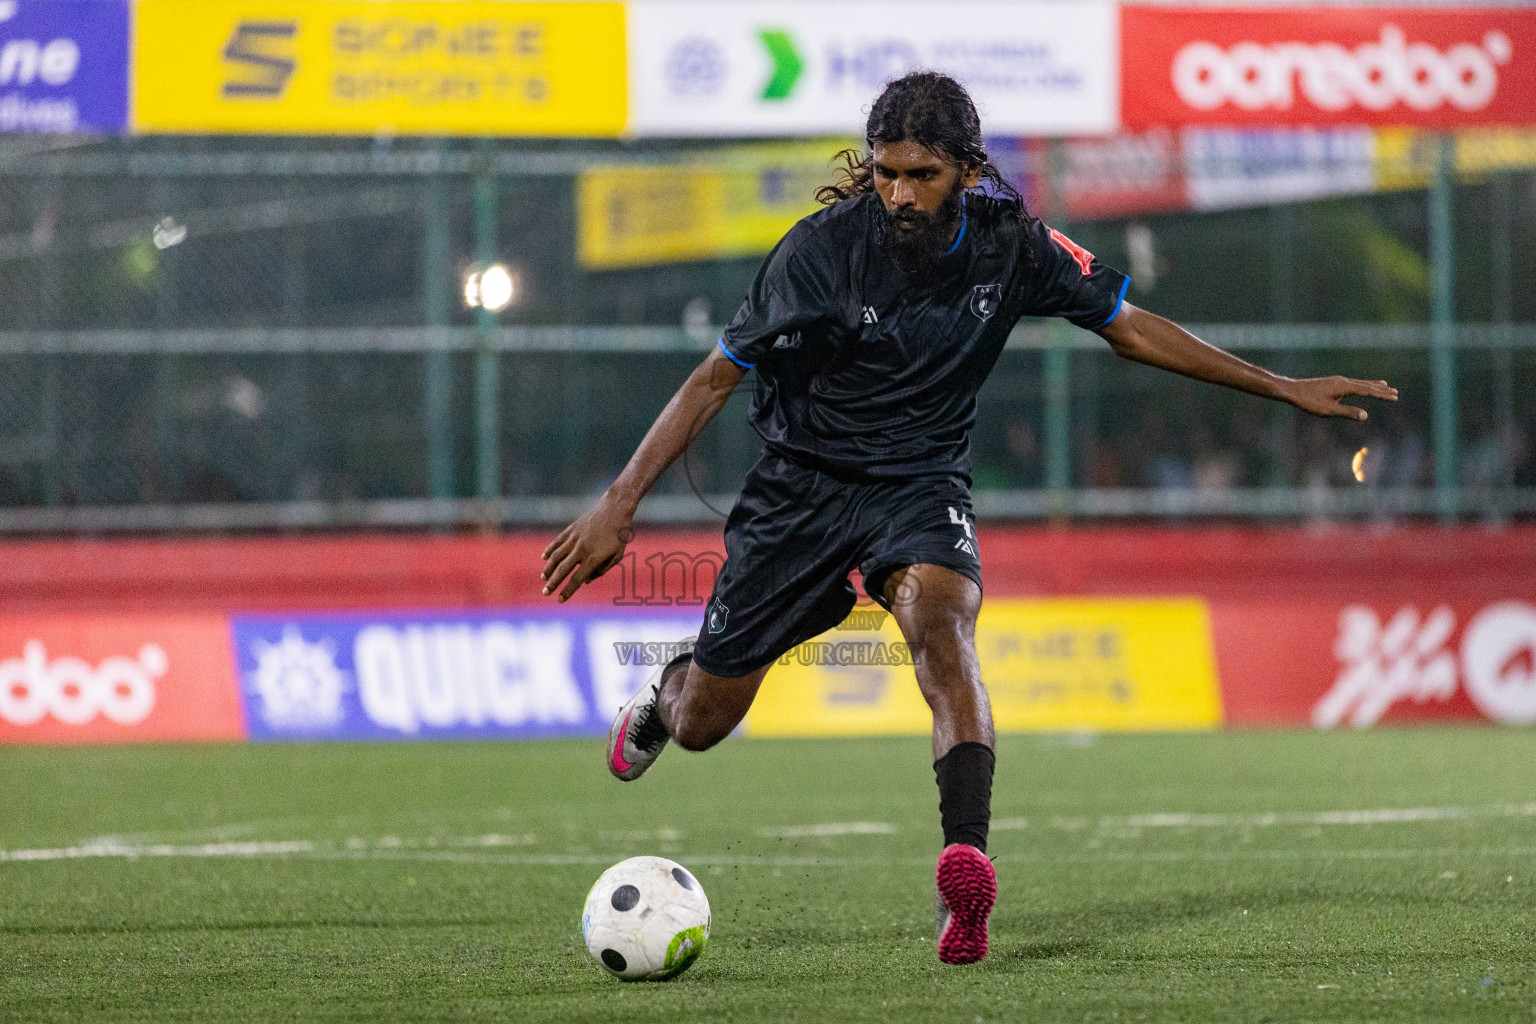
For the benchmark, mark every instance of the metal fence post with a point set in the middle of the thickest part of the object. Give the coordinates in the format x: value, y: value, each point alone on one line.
x: 49, y: 315
x: 1282, y: 310
x: 1501, y: 285
x: 1442, y: 261
x: 170, y: 448
x: 437, y: 399
x: 1058, y: 366
x: 1058, y: 416
x: 487, y: 368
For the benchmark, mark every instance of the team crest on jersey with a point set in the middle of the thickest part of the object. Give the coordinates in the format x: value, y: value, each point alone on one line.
x: 717, y: 616
x: 985, y: 298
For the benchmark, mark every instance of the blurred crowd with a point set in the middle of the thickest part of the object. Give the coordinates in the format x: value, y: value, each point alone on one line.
x: 1262, y: 445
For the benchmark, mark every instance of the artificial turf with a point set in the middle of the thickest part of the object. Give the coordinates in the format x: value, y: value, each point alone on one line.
x: 445, y: 882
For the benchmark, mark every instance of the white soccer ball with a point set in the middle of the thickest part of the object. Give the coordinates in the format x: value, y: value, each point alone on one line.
x: 646, y: 919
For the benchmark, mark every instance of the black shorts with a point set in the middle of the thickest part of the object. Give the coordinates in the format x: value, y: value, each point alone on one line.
x: 795, y: 535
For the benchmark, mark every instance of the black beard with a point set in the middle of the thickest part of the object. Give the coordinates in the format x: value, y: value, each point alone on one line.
x: 916, y: 240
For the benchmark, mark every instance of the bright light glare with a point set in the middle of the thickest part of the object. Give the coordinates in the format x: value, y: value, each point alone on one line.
x: 168, y: 233
x: 497, y: 288
x: 494, y: 288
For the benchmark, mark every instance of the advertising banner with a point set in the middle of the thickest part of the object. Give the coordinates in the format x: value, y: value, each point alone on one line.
x: 1345, y: 628
x: 1357, y: 665
x: 356, y: 67
x: 1327, y: 65
x: 699, y: 68
x: 64, y: 66
x: 1229, y: 168
x: 1067, y: 664
x: 1121, y: 175
x: 736, y: 201
x: 116, y: 679
x: 1406, y: 158
x: 509, y: 674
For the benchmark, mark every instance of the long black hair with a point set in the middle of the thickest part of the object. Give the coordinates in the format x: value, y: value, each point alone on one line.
x: 934, y: 111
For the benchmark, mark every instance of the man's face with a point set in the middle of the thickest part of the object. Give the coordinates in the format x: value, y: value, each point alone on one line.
x: 921, y: 192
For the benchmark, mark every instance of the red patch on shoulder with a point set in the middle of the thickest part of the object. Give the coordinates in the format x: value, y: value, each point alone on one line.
x: 1082, y: 256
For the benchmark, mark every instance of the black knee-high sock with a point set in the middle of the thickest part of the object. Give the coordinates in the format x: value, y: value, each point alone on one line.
x: 965, y: 793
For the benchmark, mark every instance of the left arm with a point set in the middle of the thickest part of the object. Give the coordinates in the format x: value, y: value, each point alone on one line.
x: 1150, y: 339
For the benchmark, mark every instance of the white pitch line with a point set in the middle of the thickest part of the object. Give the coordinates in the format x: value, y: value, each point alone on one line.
x: 831, y: 828
x: 270, y: 849
x: 1381, y: 816
x: 457, y: 849
x: 307, y: 850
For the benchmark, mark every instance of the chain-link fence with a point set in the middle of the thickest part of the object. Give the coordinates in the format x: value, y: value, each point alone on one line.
x: 308, y: 427
x: 233, y: 334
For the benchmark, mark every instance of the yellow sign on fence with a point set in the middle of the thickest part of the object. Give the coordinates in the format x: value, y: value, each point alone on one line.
x: 361, y: 67
x: 1406, y: 157
x: 737, y: 201
x: 1115, y: 665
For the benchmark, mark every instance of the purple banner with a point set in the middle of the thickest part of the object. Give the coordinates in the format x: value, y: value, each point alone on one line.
x: 64, y: 66
x: 512, y: 673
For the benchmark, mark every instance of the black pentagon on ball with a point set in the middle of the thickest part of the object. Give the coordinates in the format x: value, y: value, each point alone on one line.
x: 684, y: 879
x: 615, y: 960
x: 624, y: 898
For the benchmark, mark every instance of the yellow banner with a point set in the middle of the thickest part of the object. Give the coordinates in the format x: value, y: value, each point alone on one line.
x: 1405, y: 157
x: 736, y: 201
x: 1133, y: 665
x: 368, y: 67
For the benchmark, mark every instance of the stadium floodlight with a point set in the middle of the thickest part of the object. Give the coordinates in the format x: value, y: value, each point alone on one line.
x: 493, y: 288
x: 168, y: 233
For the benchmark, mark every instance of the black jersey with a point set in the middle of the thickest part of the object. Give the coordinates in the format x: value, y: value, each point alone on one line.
x: 861, y: 374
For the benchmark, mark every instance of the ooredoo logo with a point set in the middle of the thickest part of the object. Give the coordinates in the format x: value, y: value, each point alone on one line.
x: 1376, y: 75
x: 120, y: 689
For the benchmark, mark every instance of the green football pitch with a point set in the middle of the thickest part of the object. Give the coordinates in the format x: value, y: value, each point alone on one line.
x: 1388, y: 875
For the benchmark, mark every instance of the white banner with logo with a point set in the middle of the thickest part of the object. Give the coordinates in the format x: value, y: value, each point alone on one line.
x: 807, y: 69
x: 1233, y: 167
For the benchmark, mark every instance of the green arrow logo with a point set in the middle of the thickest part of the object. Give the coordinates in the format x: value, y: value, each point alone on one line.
x: 787, y: 64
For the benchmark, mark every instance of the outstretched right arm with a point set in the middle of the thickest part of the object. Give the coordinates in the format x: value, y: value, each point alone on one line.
x: 592, y: 544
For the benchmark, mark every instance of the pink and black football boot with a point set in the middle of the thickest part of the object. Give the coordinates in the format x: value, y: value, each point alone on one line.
x: 638, y: 734
x: 967, y: 891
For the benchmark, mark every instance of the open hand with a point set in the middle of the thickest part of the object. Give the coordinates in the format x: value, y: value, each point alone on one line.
x: 1320, y: 395
x: 588, y: 547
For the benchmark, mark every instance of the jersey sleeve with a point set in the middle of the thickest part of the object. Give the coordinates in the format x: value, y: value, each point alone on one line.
x: 1068, y: 281
x: 792, y: 290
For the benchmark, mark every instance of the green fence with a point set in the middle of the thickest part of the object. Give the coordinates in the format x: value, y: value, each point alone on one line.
x: 248, y: 334
x: 303, y: 428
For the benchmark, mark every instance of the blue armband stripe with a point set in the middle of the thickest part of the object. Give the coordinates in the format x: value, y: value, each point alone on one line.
x: 748, y: 366
x: 1118, y: 303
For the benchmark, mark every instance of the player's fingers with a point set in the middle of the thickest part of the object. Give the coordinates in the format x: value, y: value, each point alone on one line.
x: 573, y: 584
x: 1351, y: 411
x: 561, y: 539
x: 1373, y: 389
x: 560, y: 572
x: 559, y: 553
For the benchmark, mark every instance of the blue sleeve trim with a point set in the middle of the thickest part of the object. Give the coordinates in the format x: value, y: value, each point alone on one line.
x: 1118, y: 303
x: 748, y: 366
x: 961, y: 236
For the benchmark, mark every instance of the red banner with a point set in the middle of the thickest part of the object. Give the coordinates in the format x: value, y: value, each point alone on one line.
x: 1357, y: 665
x: 1336, y: 628
x: 117, y: 679
x: 1122, y: 175
x: 1430, y: 68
